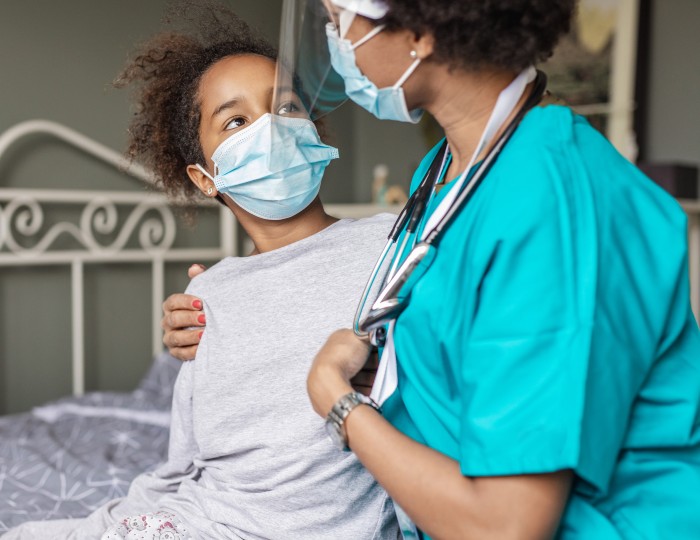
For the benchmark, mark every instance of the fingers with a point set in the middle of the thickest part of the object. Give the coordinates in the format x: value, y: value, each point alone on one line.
x: 195, y: 270
x: 373, y: 360
x: 183, y: 344
x: 364, y: 390
x: 364, y: 378
x: 181, y: 301
x: 182, y: 319
x: 186, y: 353
x: 180, y: 313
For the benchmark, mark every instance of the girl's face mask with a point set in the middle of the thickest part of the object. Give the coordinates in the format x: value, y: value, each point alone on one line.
x: 273, y: 168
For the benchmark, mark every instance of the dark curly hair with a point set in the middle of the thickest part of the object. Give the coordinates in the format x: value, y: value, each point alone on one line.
x: 165, y: 76
x: 476, y: 34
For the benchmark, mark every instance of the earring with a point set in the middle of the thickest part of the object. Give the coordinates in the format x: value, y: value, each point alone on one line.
x: 414, y: 54
x: 210, y: 190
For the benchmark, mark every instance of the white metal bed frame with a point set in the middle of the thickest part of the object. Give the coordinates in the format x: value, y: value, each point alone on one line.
x: 21, y: 211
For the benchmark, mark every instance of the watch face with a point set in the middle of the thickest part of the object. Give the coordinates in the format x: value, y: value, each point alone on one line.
x: 334, y: 433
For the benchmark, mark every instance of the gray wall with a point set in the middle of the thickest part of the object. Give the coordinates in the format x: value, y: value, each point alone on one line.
x: 674, y: 86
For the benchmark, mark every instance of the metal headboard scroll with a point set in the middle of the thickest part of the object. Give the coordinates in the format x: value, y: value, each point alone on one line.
x: 146, y: 235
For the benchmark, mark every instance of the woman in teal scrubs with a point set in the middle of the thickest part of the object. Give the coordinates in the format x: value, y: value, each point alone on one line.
x: 548, y: 361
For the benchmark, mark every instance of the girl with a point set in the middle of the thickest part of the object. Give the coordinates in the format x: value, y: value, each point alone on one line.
x: 248, y: 458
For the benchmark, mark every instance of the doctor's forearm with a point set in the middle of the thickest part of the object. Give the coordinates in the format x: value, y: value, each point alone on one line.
x: 430, y: 487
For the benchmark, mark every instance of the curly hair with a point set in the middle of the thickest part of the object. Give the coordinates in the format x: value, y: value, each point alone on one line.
x: 165, y: 76
x: 477, y: 34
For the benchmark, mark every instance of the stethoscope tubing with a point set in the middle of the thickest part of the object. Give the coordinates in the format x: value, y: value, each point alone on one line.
x: 417, y: 203
x: 414, y: 210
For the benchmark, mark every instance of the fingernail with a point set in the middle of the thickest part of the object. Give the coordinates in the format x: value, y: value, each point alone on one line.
x: 202, y: 266
x: 197, y: 304
x: 202, y: 319
x: 200, y: 335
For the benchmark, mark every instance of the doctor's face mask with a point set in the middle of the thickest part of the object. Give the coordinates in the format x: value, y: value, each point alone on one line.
x: 384, y: 103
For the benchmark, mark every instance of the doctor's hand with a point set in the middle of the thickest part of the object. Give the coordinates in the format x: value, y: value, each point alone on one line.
x: 363, y: 381
x: 182, y: 312
x: 339, y: 363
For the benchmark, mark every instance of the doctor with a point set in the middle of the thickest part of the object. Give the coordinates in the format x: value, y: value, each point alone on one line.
x: 543, y: 379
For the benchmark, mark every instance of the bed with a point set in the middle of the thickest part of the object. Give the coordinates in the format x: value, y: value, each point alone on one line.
x: 68, y: 456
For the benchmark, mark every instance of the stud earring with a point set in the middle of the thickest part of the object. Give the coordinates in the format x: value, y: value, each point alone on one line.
x: 210, y: 190
x: 414, y: 54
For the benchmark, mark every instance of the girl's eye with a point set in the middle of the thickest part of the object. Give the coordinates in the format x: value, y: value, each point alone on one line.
x: 287, y: 108
x: 235, y: 123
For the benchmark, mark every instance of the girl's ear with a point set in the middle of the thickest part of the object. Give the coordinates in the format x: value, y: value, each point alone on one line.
x: 202, y: 181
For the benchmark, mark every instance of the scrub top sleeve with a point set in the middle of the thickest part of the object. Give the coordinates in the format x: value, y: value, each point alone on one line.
x: 526, y: 357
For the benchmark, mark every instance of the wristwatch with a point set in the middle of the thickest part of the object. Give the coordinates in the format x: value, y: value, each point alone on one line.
x: 335, y: 421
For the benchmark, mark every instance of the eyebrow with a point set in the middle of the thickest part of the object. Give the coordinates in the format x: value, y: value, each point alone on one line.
x: 234, y: 101
x: 227, y: 105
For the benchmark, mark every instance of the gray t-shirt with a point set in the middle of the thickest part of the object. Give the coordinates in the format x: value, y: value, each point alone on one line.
x: 267, y: 467
x: 248, y: 456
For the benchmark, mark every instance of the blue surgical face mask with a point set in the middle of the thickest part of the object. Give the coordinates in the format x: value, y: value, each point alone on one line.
x: 385, y: 103
x: 273, y: 168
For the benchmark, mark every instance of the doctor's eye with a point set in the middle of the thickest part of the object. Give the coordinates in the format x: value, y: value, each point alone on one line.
x: 288, y: 108
x: 235, y: 123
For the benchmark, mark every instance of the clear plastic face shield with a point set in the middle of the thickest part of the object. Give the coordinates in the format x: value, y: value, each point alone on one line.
x: 305, y: 59
x: 273, y: 167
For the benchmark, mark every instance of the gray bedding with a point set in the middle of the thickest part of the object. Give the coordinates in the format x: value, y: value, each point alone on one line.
x: 68, y: 457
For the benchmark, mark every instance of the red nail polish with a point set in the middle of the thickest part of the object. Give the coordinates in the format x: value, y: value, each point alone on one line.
x: 197, y: 304
x: 200, y: 335
x: 202, y: 319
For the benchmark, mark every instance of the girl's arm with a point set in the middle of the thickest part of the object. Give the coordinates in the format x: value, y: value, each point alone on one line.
x: 428, y: 485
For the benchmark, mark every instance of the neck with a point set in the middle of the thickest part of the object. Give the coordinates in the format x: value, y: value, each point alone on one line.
x: 462, y: 103
x: 268, y: 235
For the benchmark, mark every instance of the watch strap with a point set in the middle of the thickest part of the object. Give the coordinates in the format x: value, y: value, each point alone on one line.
x: 342, y: 408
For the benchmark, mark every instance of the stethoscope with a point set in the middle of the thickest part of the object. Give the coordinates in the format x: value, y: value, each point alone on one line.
x: 396, y: 288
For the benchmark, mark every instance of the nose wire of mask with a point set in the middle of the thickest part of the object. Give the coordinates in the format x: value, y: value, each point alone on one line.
x: 385, y: 103
x: 273, y: 168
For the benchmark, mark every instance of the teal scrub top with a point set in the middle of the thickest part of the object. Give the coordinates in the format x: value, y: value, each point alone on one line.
x: 554, y: 331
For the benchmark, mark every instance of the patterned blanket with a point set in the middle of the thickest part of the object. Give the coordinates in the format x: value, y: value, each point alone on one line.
x: 66, y: 458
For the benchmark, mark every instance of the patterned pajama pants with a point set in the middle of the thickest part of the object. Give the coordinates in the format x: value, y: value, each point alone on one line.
x: 159, y: 526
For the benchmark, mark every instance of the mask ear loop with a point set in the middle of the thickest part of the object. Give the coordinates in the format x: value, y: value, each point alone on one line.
x: 204, y: 172
x: 368, y: 36
x: 407, y: 74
